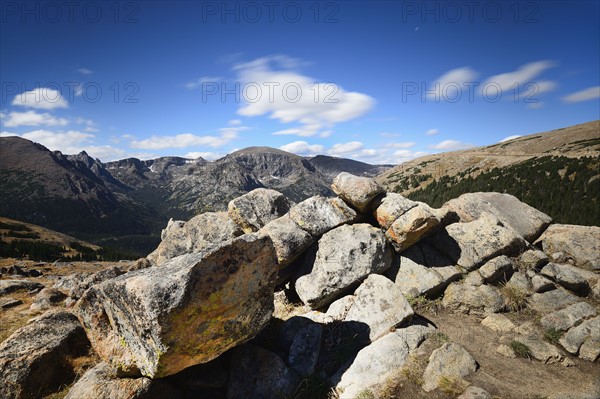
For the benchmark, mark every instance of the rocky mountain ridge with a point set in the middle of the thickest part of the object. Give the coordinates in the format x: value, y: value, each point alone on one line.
x: 348, y: 297
x: 132, y: 199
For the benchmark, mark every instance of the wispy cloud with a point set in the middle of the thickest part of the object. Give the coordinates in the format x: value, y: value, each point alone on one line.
x: 432, y: 132
x: 226, y: 135
x: 583, y: 95
x: 451, y: 83
x: 85, y: 71
x: 514, y: 136
x: 303, y: 148
x: 274, y: 88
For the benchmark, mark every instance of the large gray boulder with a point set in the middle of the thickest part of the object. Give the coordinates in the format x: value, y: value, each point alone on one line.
x: 317, y: 215
x: 158, y: 321
x: 566, y: 318
x: 576, y: 336
x: 197, y: 234
x: 372, y: 366
x: 289, y: 239
x: 525, y: 220
x: 580, y: 244
x: 255, y: 209
x: 392, y: 206
x: 495, y: 269
x: 35, y: 359
x: 101, y: 382
x: 379, y: 306
x: 414, y: 279
x: 357, y: 191
x: 346, y: 255
x: 412, y: 225
x: 571, y: 277
x: 473, y: 243
x: 451, y: 361
x: 465, y: 298
x: 539, y: 349
x: 259, y: 373
x: 551, y: 301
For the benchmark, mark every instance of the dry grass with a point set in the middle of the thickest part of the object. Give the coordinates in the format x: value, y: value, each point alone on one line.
x: 452, y: 386
x: 515, y: 299
x: 422, y: 304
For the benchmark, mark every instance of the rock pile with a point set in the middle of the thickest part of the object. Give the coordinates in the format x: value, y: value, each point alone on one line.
x: 199, y: 321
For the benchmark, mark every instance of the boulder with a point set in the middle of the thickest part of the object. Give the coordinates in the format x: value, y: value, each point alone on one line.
x: 499, y: 268
x: 47, y: 298
x: 10, y: 286
x: 566, y: 318
x: 289, y: 239
x: 539, y: 349
x: 532, y: 259
x: 340, y: 308
x: 415, y: 334
x: 411, y: 226
x: 199, y: 233
x: 451, y: 361
x: 358, y: 192
x: 318, y: 215
x: 550, y: 301
x: 580, y: 244
x: 101, y: 382
x: 481, y: 300
x: 372, y: 366
x: 590, y: 349
x: 570, y: 277
x: 158, y: 321
x: 35, y: 359
x: 346, y: 255
x: 305, y: 350
x: 391, y: 208
x: 525, y: 220
x: 498, y: 322
x: 519, y: 282
x: 255, y: 209
x: 415, y: 280
x: 541, y: 283
x: 259, y: 373
x: 471, y: 244
x: 379, y: 305
x: 576, y: 336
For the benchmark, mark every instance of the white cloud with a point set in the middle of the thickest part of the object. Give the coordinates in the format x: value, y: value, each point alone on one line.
x: 40, y: 98
x: 406, y: 144
x: 583, y: 95
x: 432, y: 132
x: 106, y: 153
x: 345, y: 148
x: 69, y: 142
x: 525, y: 74
x: 8, y: 134
x: 514, y: 136
x: 303, y: 148
x: 226, y: 135
x: 211, y: 156
x: 85, y: 71
x: 289, y: 96
x: 235, y: 122
x: 32, y: 118
x: 450, y: 145
x: 326, y: 133
x: 90, y: 125
x: 192, y: 84
x: 450, y: 84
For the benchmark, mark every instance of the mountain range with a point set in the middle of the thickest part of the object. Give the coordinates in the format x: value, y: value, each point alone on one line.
x: 126, y: 203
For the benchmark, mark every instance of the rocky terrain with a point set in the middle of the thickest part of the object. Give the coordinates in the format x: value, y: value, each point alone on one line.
x: 366, y: 294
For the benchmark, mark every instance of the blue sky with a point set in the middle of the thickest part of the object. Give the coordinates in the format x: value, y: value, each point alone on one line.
x: 377, y: 81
